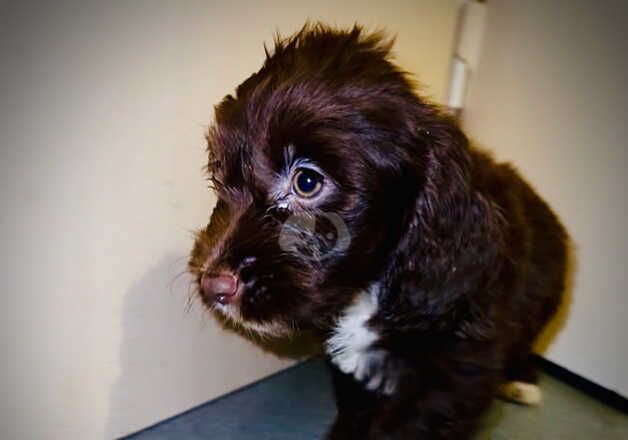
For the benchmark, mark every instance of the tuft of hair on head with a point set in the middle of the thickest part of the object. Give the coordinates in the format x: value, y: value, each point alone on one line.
x: 335, y: 43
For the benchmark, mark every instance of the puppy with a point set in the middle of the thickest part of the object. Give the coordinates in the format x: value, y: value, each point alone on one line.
x: 349, y: 205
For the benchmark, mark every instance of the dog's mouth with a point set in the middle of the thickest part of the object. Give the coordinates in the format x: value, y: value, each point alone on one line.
x: 231, y: 314
x: 245, y: 298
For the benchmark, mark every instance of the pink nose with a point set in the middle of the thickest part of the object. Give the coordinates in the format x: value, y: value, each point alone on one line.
x: 220, y: 287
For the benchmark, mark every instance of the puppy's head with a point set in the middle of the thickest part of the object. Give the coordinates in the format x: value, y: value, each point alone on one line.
x: 317, y: 162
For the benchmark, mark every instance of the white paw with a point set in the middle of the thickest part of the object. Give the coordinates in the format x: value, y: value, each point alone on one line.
x: 371, y: 367
x: 522, y: 392
x: 347, y: 361
x: 374, y: 370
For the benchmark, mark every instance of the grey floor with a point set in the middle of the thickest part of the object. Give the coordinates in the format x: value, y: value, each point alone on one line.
x: 298, y: 404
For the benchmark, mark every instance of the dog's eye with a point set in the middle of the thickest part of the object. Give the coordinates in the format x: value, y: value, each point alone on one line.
x: 307, y: 183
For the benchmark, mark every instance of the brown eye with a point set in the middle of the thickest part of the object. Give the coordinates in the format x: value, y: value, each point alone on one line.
x: 307, y: 183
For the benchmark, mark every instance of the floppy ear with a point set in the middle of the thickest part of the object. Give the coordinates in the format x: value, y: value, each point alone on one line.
x: 452, y: 235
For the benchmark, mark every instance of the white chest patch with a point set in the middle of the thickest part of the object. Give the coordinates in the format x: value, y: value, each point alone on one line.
x: 351, y: 345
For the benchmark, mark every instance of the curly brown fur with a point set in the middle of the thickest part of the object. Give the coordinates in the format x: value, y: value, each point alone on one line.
x: 464, y: 262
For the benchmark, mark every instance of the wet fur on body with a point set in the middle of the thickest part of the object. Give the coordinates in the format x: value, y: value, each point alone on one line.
x: 461, y: 264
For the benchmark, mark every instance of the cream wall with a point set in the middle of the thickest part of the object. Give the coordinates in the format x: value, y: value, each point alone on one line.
x: 550, y: 95
x: 102, y: 113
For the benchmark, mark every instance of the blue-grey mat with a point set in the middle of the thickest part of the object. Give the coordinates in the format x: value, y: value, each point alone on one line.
x: 297, y: 404
x: 294, y: 404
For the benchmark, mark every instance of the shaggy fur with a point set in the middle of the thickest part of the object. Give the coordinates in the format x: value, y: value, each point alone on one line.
x: 469, y: 262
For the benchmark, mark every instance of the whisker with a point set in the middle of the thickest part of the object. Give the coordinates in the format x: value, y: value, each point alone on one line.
x: 176, y: 278
x: 192, y: 296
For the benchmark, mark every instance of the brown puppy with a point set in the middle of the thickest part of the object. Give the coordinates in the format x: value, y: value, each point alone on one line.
x: 349, y: 205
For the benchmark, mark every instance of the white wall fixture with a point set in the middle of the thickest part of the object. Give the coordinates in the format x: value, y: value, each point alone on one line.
x: 467, y: 48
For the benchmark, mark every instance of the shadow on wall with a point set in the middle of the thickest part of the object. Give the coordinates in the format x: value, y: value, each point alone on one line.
x: 166, y: 359
x: 151, y: 318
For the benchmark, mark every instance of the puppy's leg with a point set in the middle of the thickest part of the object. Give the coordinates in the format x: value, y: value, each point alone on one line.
x: 356, y: 407
x: 522, y: 377
x: 439, y: 408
